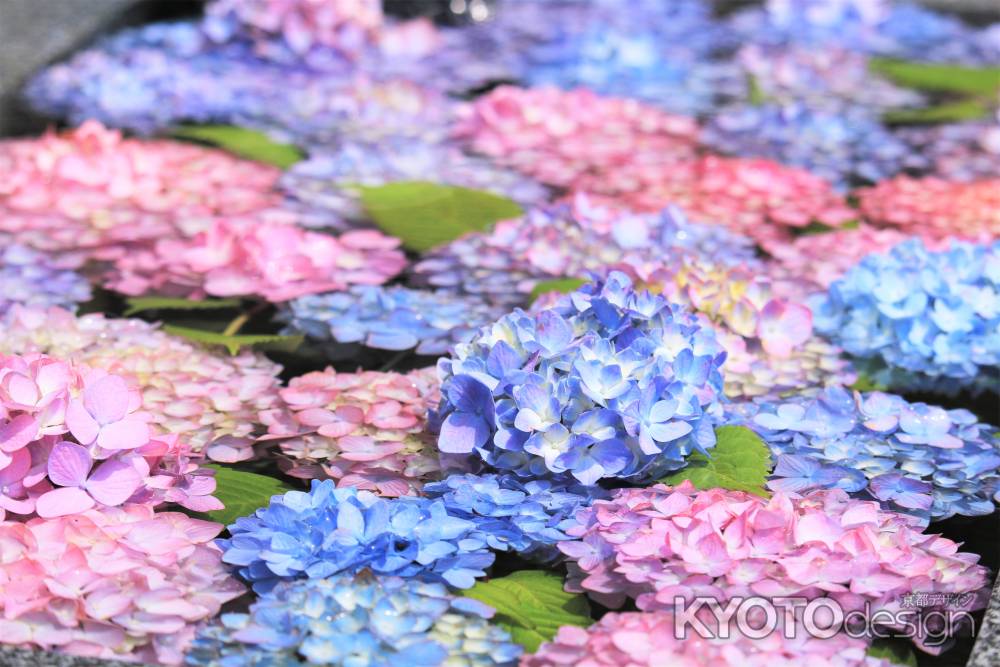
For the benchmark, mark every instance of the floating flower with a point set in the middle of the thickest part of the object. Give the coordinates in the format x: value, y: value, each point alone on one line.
x: 327, y: 531
x: 275, y: 261
x: 915, y: 458
x: 211, y: 401
x: 35, y: 279
x: 365, y: 430
x: 935, y: 209
x: 526, y: 517
x: 122, y: 583
x: 919, y: 317
x: 650, y: 639
x: 362, y: 619
x: 661, y: 543
x: 610, y: 383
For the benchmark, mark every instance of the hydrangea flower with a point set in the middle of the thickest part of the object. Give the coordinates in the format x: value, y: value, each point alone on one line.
x: 957, y: 151
x: 649, y: 639
x: 211, y: 401
x: 93, y: 193
x: 913, y: 457
x: 36, y: 279
x: 557, y: 136
x: 526, y: 517
x: 842, y: 147
x: 121, y: 583
x: 327, y: 531
x: 569, y: 238
x: 365, y: 430
x: 762, y: 199
x: 73, y: 438
x: 769, y: 340
x: 359, y: 620
x: 919, y: 317
x: 611, y: 383
x: 319, y: 180
x: 935, y: 209
x: 390, y: 318
x: 275, y: 261
x: 660, y: 543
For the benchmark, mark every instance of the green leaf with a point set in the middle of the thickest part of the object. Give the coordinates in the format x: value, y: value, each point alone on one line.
x: 532, y: 605
x: 817, y: 227
x: 740, y: 461
x: 561, y: 285
x: 865, y: 383
x: 937, y: 77
x: 241, y: 492
x: 142, y: 303
x: 755, y: 95
x: 943, y: 113
x: 233, y: 343
x: 895, y: 651
x: 249, y: 144
x: 424, y: 215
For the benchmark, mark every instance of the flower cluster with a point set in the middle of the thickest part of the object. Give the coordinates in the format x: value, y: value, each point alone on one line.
x: 527, y: 517
x: 842, y: 147
x: 957, y: 151
x: 762, y: 199
x: 91, y: 192
x: 650, y: 639
x: 363, y: 620
x: 35, y: 279
x: 558, y: 136
x: 610, y: 383
x: 660, y: 543
x: 390, y: 318
x: 925, y: 317
x: 935, y: 209
x: 72, y: 438
x: 365, y: 430
x: 327, y: 531
x: 912, y: 457
x: 210, y: 401
x: 114, y: 584
x: 769, y: 341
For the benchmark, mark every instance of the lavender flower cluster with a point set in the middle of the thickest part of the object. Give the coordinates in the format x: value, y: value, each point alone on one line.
x: 31, y: 278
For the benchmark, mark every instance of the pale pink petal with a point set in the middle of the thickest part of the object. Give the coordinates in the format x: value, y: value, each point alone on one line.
x: 113, y: 482
x: 18, y: 432
x: 69, y: 464
x: 107, y: 399
x: 20, y: 463
x: 60, y: 502
x: 81, y: 423
x: 126, y: 434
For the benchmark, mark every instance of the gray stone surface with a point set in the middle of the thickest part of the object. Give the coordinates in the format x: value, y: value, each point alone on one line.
x: 17, y: 658
x: 986, y: 652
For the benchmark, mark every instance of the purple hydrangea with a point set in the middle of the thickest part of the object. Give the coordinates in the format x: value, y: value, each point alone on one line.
x: 31, y: 278
x: 609, y: 383
x: 957, y: 151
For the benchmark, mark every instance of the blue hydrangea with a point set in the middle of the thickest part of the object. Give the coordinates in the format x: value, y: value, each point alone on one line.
x: 920, y: 319
x: 327, y: 531
x: 844, y: 147
x: 527, y: 517
x: 32, y: 278
x: 390, y: 318
x: 609, y: 383
x: 912, y: 457
x: 362, y: 621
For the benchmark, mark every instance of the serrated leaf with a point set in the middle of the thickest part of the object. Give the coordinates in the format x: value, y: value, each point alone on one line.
x: 143, y: 303
x: 424, y: 215
x: 943, y: 113
x: 740, y: 461
x: 233, y: 343
x: 895, y: 651
x: 242, y: 493
x: 937, y: 77
x: 532, y: 605
x: 561, y: 285
x: 246, y: 143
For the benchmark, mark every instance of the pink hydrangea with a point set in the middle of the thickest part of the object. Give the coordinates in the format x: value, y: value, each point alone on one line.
x: 762, y: 199
x: 649, y: 640
x: 122, y: 583
x: 559, y: 136
x: 661, y: 543
x: 211, y: 401
x: 74, y: 438
x: 935, y: 209
x: 92, y: 192
x: 275, y: 261
x: 366, y: 430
